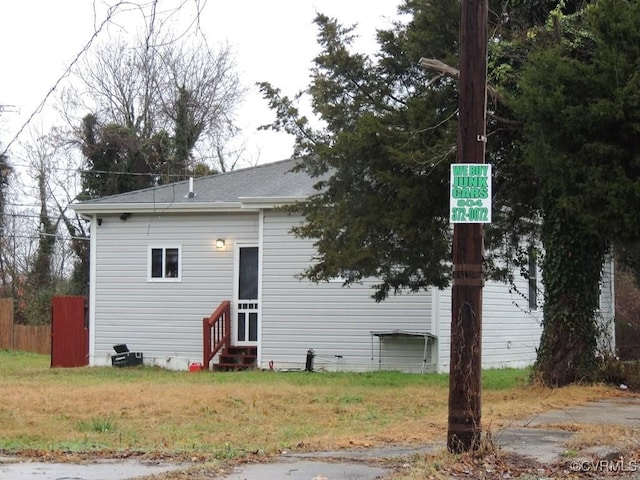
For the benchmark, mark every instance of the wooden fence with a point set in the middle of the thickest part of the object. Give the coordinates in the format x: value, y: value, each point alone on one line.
x: 27, y: 338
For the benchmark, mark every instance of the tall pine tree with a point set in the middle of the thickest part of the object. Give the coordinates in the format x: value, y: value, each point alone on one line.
x: 563, y: 139
x: 389, y: 138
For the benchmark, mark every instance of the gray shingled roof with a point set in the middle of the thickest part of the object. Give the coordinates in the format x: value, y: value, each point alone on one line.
x: 272, y: 181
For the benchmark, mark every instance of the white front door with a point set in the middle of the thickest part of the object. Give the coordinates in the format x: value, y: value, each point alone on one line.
x: 245, y: 331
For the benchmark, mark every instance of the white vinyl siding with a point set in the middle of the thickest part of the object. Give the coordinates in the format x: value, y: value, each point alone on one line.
x: 510, y: 331
x: 163, y: 320
x: 335, y: 321
x: 606, y: 312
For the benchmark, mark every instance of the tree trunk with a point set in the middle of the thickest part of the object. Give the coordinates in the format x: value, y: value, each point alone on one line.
x: 572, y: 267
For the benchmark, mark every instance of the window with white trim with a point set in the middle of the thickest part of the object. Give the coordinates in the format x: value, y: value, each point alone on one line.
x: 165, y: 263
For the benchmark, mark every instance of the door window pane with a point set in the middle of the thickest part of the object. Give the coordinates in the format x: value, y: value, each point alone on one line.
x: 253, y: 327
x: 248, y: 279
x: 241, y: 327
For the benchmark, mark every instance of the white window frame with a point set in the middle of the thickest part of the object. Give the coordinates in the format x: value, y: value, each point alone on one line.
x: 164, y: 249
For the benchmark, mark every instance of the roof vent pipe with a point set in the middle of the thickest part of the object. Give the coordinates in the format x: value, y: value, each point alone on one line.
x: 191, y: 194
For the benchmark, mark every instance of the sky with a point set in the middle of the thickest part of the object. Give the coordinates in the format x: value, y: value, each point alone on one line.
x: 274, y: 41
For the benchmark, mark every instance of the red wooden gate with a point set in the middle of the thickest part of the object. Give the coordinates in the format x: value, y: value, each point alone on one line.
x: 69, y: 332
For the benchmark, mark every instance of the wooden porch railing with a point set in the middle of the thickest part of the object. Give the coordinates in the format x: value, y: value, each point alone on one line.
x: 217, y: 332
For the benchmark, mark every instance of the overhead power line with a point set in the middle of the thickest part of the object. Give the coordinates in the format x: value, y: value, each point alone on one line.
x: 37, y: 236
x: 110, y: 13
x: 106, y: 172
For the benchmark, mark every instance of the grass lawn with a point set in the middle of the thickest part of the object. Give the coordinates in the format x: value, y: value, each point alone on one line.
x: 110, y: 411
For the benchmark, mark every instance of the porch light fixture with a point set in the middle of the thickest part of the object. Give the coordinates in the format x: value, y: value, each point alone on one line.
x: 219, y: 244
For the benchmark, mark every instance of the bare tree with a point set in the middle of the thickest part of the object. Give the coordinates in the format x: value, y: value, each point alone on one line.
x: 188, y: 91
x: 174, y: 98
x: 38, y: 281
x: 5, y: 172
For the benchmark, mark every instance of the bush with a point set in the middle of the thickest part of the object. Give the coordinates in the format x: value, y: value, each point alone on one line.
x: 618, y: 372
x: 627, y: 315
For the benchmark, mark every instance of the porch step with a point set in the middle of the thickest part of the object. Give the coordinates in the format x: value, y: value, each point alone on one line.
x: 236, y: 358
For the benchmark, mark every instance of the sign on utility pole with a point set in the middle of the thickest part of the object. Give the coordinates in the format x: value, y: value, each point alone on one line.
x: 464, y: 426
x: 470, y: 193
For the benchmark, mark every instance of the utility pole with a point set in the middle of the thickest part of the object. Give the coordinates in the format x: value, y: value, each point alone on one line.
x: 464, y: 426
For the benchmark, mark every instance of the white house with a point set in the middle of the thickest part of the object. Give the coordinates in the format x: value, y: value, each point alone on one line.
x: 164, y: 258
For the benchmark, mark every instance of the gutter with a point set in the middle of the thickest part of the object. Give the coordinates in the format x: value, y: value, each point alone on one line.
x: 118, y: 208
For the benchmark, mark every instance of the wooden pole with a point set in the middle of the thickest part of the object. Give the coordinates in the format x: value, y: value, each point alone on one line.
x: 464, y: 426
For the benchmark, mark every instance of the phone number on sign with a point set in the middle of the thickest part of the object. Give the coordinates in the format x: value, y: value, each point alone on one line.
x: 470, y: 214
x: 619, y: 465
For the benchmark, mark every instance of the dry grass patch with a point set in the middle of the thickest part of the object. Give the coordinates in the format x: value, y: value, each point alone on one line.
x: 504, y: 408
x: 615, y: 436
x: 227, y: 418
x: 230, y: 415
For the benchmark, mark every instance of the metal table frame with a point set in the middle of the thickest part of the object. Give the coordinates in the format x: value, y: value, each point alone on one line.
x: 381, y: 334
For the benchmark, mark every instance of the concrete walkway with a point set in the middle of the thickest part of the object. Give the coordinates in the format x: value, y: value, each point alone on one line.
x: 18, y: 469
x: 529, y: 438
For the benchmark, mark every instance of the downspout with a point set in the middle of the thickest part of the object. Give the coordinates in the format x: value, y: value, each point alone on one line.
x: 92, y: 289
x: 260, y: 275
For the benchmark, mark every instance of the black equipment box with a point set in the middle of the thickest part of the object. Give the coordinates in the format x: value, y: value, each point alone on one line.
x: 125, y: 358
